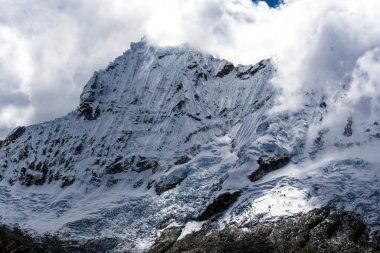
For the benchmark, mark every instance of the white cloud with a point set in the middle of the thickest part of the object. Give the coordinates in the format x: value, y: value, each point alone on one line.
x: 362, y: 98
x: 50, y: 48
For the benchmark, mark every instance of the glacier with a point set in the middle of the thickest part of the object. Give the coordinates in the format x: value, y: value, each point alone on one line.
x: 161, y: 132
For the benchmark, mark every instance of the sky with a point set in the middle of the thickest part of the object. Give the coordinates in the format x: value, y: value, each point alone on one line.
x: 271, y: 3
x: 50, y: 49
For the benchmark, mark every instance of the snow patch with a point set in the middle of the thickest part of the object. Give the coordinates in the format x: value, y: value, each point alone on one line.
x: 190, y: 228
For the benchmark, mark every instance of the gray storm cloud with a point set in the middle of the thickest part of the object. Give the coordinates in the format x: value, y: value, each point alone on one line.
x: 49, y: 49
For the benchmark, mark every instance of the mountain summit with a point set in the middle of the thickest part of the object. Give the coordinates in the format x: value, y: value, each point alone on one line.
x: 170, y: 142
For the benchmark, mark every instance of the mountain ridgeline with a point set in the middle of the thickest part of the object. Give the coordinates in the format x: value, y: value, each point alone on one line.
x: 170, y: 146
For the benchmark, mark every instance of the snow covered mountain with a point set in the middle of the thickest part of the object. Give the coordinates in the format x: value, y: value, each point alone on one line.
x: 175, y: 138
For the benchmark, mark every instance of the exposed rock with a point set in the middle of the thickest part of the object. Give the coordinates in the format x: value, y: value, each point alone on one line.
x: 28, y: 177
x: 112, y: 181
x: 268, y: 164
x: 23, y: 153
x: 251, y: 71
x: 171, y: 180
x: 161, y: 188
x: 348, y: 128
x: 200, y: 76
x: 219, y: 205
x: 88, y: 113
x: 17, y: 133
x: 150, y: 184
x: 78, y: 149
x: 316, y: 231
x: 196, y: 149
x: 226, y: 70
x: 95, y: 179
x: 193, y: 65
x: 33, y: 174
x: 14, y: 240
x: 259, y: 104
x: 115, y: 167
x: 67, y: 181
x: 193, y: 117
x: 323, y: 105
x: 138, y: 183
x: 167, y: 238
x: 146, y: 164
x: 318, y: 144
x: 244, y: 75
x: 260, y: 66
x: 202, y: 129
x: 179, y: 87
x: 119, y: 165
x: 178, y: 108
x: 182, y: 160
x: 375, y: 244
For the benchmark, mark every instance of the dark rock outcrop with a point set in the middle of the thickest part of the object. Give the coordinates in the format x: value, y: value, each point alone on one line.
x: 268, y: 164
x: 251, y: 71
x: 17, y: 133
x: 348, y: 128
x: 318, y: 143
x: 145, y: 163
x: 226, y: 70
x: 182, y: 160
x: 119, y: 166
x: 162, y: 187
x: 260, y: 66
x: 86, y: 111
x: 34, y: 175
x: 67, y: 181
x: 135, y: 163
x: 178, y: 109
x: 170, y: 181
x: 15, y: 241
x: 219, y: 205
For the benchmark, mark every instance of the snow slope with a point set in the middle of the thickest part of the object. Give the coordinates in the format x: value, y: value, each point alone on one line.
x: 161, y: 132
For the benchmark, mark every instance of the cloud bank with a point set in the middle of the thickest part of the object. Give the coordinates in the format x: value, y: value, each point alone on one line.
x: 49, y: 49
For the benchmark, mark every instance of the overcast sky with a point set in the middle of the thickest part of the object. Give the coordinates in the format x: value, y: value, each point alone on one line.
x: 49, y: 49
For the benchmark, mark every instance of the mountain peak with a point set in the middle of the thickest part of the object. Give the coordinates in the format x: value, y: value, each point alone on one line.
x: 170, y: 137
x: 150, y: 102
x: 148, y: 64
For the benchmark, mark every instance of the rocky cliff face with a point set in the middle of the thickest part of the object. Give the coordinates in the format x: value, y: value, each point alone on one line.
x: 172, y: 137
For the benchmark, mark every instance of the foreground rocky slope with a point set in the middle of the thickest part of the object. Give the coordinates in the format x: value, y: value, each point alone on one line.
x: 171, y: 138
x: 317, y: 231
